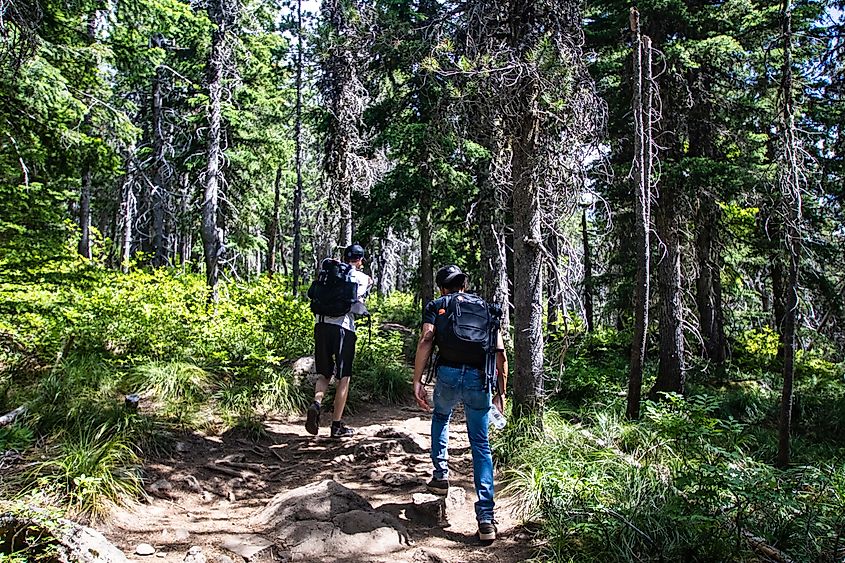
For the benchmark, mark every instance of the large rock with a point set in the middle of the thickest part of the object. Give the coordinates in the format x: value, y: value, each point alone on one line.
x: 326, y: 519
x: 304, y: 369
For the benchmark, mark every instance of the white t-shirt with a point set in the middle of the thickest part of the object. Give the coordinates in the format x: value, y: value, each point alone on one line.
x: 347, y: 321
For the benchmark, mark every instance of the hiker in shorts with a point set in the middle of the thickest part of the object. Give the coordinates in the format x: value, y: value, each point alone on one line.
x: 467, y: 380
x: 334, y: 350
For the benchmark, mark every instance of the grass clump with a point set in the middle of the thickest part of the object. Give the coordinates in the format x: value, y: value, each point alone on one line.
x: 679, y: 485
x: 90, y: 470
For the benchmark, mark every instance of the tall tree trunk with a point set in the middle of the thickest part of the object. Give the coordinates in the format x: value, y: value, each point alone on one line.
x: 588, y: 272
x: 272, y: 231
x: 790, y: 183
x: 709, y: 284
x: 528, y: 389
x: 340, y: 88
x: 426, y: 264
x: 554, y: 306
x: 185, y: 222
x: 670, y: 372
x: 211, y: 240
x: 85, y: 206
x: 494, y: 282
x: 297, y: 194
x: 127, y: 209
x: 158, y: 191
x: 642, y: 210
x: 86, y: 179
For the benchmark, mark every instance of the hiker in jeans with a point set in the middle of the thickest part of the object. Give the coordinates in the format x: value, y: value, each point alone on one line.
x: 460, y: 382
x: 334, y: 351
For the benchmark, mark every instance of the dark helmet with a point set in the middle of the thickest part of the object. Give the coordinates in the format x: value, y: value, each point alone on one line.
x: 448, y: 276
x: 353, y: 252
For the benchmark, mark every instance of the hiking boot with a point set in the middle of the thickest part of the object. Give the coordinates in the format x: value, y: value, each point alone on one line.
x: 487, y: 531
x: 312, y: 420
x: 340, y: 430
x: 438, y: 486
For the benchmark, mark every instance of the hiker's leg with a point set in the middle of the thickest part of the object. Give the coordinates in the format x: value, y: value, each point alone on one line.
x: 345, y: 357
x: 320, y: 388
x: 446, y: 395
x: 341, y: 392
x: 476, y: 408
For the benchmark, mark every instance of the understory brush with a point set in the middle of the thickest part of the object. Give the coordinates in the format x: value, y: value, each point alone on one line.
x: 679, y: 485
x: 111, y: 367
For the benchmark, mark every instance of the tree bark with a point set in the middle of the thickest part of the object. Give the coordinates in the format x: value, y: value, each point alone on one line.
x: 670, y: 372
x: 297, y: 194
x: 127, y: 206
x: 642, y: 210
x: 158, y: 191
x: 272, y: 231
x: 211, y: 240
x: 709, y: 283
x: 554, y: 307
x: 588, y: 272
x: 494, y: 282
x: 528, y: 396
x: 426, y: 263
x: 86, y: 179
x: 790, y: 183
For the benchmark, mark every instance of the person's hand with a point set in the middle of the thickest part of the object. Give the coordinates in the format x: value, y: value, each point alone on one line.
x: 499, y: 401
x: 420, y: 396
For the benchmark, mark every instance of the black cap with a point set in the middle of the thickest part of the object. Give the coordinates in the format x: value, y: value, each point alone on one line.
x: 353, y: 252
x: 448, y: 276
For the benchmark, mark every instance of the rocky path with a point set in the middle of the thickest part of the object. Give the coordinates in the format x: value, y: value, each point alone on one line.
x: 293, y: 496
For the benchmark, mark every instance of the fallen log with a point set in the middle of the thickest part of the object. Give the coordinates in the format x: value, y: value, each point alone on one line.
x: 10, y: 416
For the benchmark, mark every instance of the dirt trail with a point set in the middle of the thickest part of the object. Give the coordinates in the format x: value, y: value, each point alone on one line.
x: 205, y: 492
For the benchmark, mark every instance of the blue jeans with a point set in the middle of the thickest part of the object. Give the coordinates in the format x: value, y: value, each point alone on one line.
x: 467, y: 385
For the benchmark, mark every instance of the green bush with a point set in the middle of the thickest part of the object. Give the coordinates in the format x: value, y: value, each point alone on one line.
x: 91, y: 469
x: 679, y: 485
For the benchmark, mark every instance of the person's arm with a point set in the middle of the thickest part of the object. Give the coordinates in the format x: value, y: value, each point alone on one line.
x: 424, y: 348
x: 501, y: 374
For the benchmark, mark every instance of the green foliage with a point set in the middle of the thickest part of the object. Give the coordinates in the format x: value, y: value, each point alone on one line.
x: 683, y: 484
x: 180, y: 387
x: 594, y: 365
x: 16, y: 437
x: 379, y: 372
x: 30, y: 543
x: 398, y: 307
x: 91, y: 469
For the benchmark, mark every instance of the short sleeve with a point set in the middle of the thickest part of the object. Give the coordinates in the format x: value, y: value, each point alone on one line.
x: 430, y: 312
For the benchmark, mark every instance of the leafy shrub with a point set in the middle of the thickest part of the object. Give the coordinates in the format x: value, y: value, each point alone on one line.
x: 398, y: 307
x: 92, y: 469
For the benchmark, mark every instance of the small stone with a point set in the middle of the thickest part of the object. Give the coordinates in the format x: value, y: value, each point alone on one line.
x: 400, y: 479
x: 160, y: 554
x: 181, y: 535
x: 377, y: 449
x: 183, y: 447
x: 145, y: 549
x: 195, y: 555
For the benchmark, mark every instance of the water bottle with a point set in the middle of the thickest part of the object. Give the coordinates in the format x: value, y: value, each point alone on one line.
x: 496, y: 418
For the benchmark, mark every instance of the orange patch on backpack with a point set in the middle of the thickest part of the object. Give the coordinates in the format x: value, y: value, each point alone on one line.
x: 441, y: 312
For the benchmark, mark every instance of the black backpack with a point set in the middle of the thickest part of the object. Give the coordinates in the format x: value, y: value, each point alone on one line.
x: 334, y: 291
x: 467, y: 332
